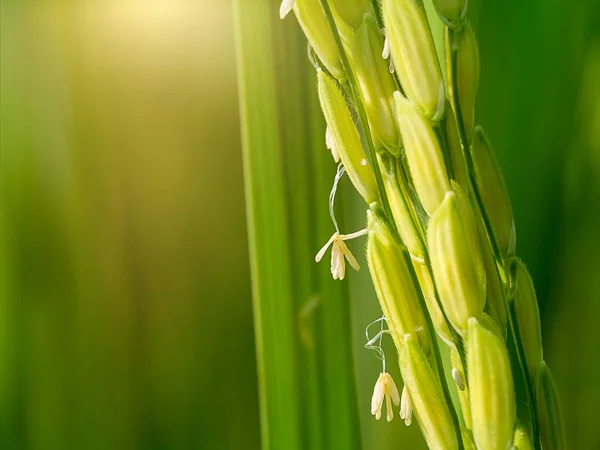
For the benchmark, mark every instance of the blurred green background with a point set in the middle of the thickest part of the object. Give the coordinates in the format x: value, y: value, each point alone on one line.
x: 125, y: 311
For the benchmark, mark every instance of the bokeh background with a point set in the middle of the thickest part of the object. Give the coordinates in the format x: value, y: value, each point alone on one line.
x: 125, y: 309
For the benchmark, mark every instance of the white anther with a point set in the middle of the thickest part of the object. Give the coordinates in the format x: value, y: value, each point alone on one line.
x: 286, y: 7
x: 458, y: 379
x: 386, y: 49
x: 340, y: 253
x: 406, y: 407
x: 385, y: 388
x: 330, y: 144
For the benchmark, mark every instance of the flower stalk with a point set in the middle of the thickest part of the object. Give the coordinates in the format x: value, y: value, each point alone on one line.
x: 441, y: 236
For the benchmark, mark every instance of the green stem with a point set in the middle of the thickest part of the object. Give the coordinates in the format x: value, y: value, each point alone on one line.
x: 295, y: 85
x: 274, y: 315
x: 500, y: 263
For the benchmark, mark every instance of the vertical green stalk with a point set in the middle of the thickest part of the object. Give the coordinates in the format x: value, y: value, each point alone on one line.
x: 291, y: 90
x: 268, y: 235
x: 302, y: 317
x: 329, y: 409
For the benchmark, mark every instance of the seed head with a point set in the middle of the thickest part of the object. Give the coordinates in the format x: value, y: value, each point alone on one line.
x: 393, y: 284
x: 413, y: 54
x: 345, y: 137
x: 493, y: 192
x: 313, y: 21
x: 376, y: 84
x: 424, y: 155
x: 426, y: 396
x: 528, y: 319
x: 467, y: 76
x: 402, y: 209
x: 491, y: 386
x: 456, y: 260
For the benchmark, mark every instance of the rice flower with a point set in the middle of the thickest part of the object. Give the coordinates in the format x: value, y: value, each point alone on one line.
x: 340, y: 253
x: 376, y: 85
x: 492, y: 392
x: 467, y: 76
x: 493, y: 192
x: 313, y: 21
x: 456, y: 260
x: 385, y: 389
x: 426, y: 396
x: 345, y: 137
x: 423, y: 153
x: 396, y: 292
x: 414, y: 56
